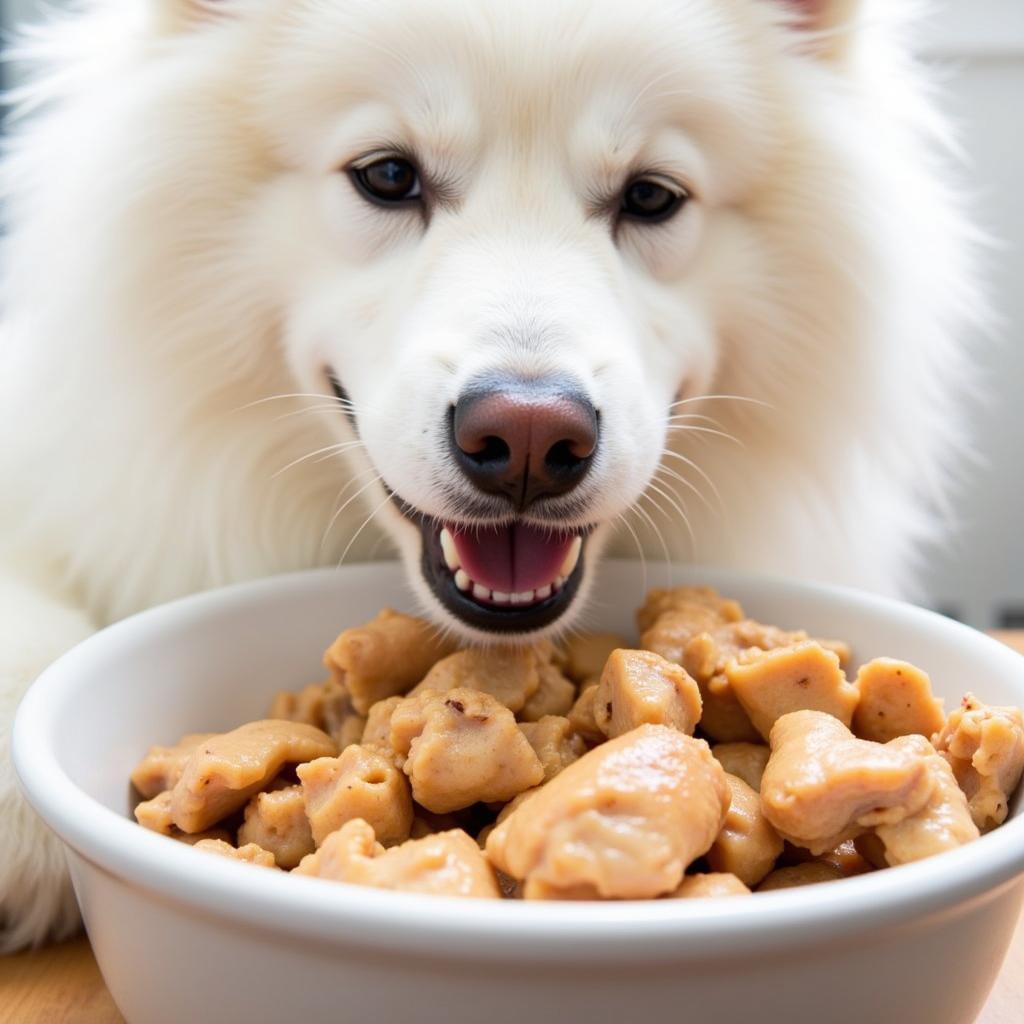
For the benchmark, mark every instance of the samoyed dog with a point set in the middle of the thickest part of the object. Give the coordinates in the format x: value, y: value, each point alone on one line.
x: 493, y: 281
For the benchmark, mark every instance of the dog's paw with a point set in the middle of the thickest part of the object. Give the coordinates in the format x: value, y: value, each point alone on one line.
x: 37, y: 903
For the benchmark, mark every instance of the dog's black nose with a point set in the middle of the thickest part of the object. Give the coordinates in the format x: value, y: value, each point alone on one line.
x: 526, y: 439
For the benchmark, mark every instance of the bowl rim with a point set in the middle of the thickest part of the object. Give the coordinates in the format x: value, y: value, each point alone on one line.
x: 413, y: 924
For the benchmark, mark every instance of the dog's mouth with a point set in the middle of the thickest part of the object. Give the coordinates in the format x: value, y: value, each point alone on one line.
x: 512, y: 578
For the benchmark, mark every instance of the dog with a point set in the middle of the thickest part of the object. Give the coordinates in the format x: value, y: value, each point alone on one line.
x: 506, y: 285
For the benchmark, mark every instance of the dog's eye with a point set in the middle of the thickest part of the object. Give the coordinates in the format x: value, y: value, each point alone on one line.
x: 649, y: 200
x: 388, y: 181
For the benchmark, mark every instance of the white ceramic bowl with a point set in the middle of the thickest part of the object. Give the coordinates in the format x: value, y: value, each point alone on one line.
x: 183, y: 936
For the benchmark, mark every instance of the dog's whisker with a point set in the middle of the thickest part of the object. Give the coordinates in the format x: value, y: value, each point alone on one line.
x: 331, y: 449
x: 338, y: 511
x: 675, y: 502
x: 700, y: 472
x: 721, y: 398
x: 366, y: 522
x: 680, y: 417
x: 689, y: 484
x: 640, y: 551
x: 639, y: 510
x: 689, y: 428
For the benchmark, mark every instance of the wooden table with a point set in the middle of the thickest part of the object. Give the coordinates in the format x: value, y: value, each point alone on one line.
x: 63, y: 985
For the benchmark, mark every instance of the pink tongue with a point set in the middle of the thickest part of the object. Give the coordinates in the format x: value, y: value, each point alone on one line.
x: 511, y: 559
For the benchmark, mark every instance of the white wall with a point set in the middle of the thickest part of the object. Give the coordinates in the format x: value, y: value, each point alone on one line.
x: 980, y: 45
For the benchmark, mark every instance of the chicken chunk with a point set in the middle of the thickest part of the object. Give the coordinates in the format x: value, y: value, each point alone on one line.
x: 362, y: 782
x: 586, y: 653
x: 555, y: 695
x: 554, y: 743
x: 744, y: 760
x: 462, y: 746
x: 377, y: 731
x: 802, y: 677
x: 509, y: 674
x: 248, y: 854
x: 823, y: 786
x: 582, y: 717
x: 161, y: 768
x: 747, y: 846
x: 944, y: 822
x: 225, y: 771
x: 441, y: 864
x: 895, y: 700
x: 276, y: 821
x: 710, y: 885
x: 641, y: 687
x: 386, y: 656
x: 624, y: 821
x: 985, y: 748
x: 305, y: 705
x: 811, y: 873
x: 704, y: 606
x: 156, y: 814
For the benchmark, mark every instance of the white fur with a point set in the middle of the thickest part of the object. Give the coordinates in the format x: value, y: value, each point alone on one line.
x: 183, y: 247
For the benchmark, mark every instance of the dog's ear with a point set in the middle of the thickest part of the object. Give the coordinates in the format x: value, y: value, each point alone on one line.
x: 828, y: 26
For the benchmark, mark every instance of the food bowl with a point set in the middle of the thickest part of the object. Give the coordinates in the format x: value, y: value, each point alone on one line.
x: 184, y: 936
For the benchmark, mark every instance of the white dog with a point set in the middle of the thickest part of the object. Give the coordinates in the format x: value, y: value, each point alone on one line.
x: 287, y: 276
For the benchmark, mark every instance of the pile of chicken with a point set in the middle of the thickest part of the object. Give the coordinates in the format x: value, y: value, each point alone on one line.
x: 577, y: 770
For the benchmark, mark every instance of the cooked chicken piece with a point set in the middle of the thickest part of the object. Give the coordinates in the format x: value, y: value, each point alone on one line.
x: 803, y: 677
x: 554, y: 696
x: 942, y: 824
x: 362, y: 782
x: 307, y: 705
x: 985, y: 747
x: 248, y: 854
x: 156, y: 814
x: 895, y: 700
x: 377, y: 731
x: 711, y: 885
x: 225, y: 771
x: 822, y: 786
x: 161, y: 768
x: 846, y: 857
x: 641, y: 688
x: 509, y: 674
x: 747, y: 846
x: 385, y: 657
x: 426, y: 824
x: 443, y: 864
x: 872, y: 849
x: 693, y: 601
x: 811, y: 873
x: 586, y: 653
x: 624, y: 821
x: 744, y: 760
x: 582, y: 717
x: 276, y: 821
x: 221, y: 834
x: 554, y: 743
x: 549, y: 653
x: 462, y: 746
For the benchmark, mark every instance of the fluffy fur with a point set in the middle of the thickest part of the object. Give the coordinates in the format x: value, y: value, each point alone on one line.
x: 183, y: 247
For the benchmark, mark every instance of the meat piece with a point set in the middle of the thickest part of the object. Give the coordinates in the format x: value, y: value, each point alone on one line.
x: 623, y: 822
x: 377, y: 731
x: 704, y: 606
x: 640, y: 688
x: 944, y: 822
x: 847, y: 858
x: 225, y: 771
x: 823, y: 786
x: 554, y: 743
x: 554, y: 695
x: 582, y: 717
x: 156, y: 814
x: 985, y: 748
x: 811, y: 873
x: 586, y: 653
x: 462, y: 746
x: 221, y: 834
x: 509, y: 674
x: 744, y: 760
x: 248, y: 854
x: 712, y: 885
x: 442, y: 864
x: 362, y: 782
x: 276, y: 821
x: 161, y: 768
x: 802, y: 677
x: 747, y: 846
x: 306, y: 705
x: 386, y: 656
x: 549, y: 653
x: 895, y: 700
x: 426, y: 824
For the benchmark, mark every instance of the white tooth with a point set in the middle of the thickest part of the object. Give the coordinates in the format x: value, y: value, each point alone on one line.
x: 481, y: 593
x: 559, y: 583
x: 448, y: 549
x: 499, y: 598
x: 542, y: 593
x: 462, y: 580
x: 572, y: 557
x: 524, y: 597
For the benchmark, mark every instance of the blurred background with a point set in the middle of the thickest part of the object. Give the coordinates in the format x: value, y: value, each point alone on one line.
x: 978, y: 47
